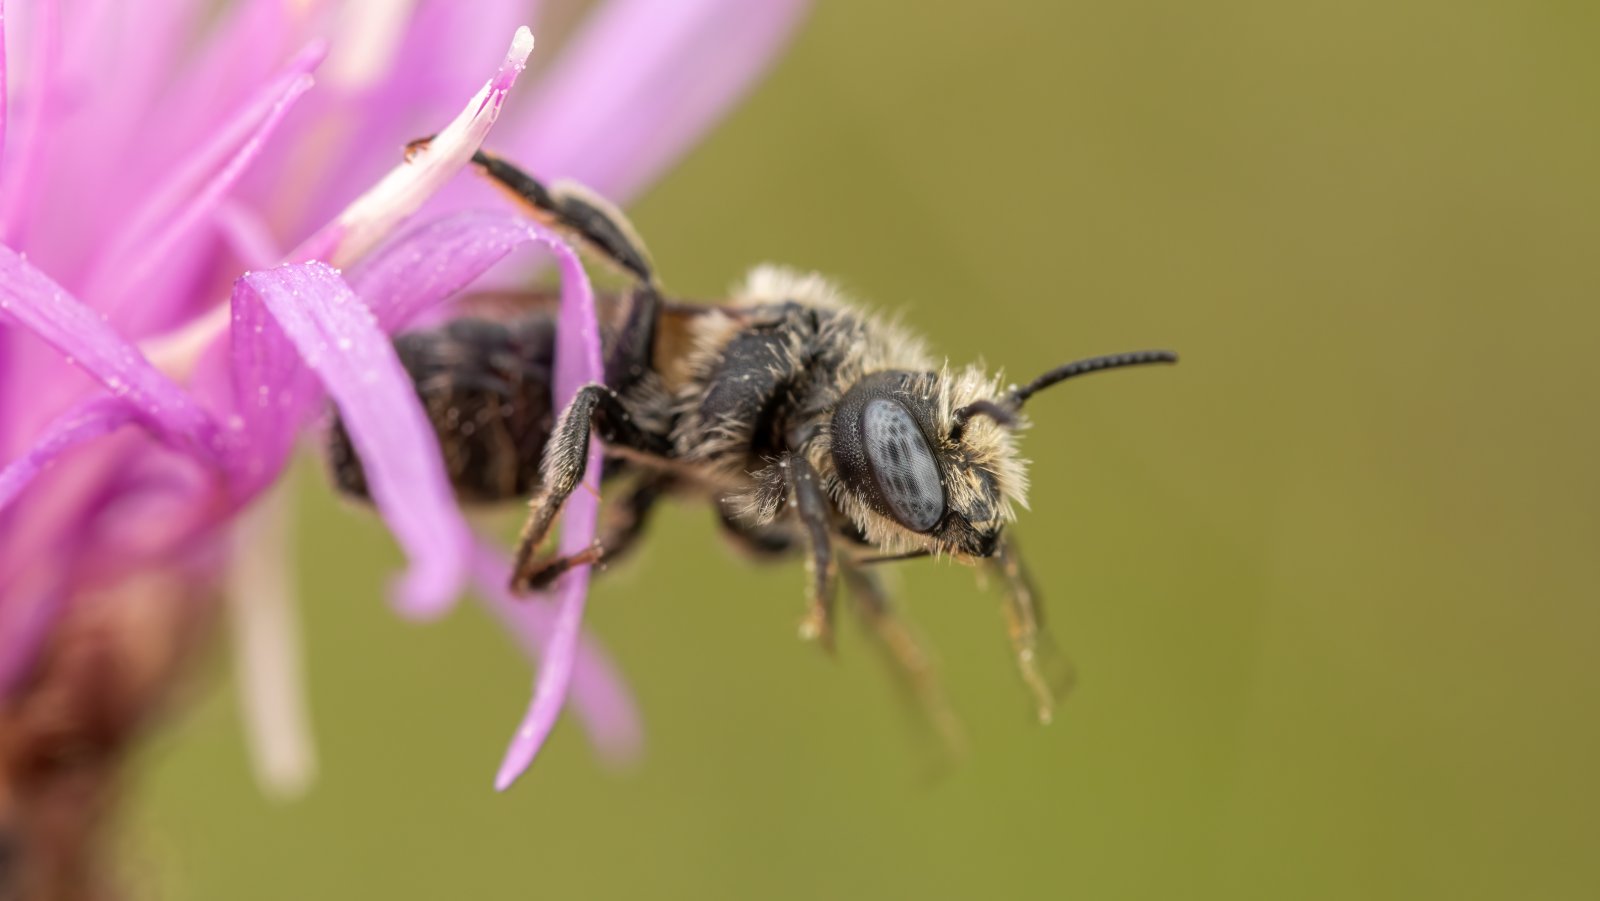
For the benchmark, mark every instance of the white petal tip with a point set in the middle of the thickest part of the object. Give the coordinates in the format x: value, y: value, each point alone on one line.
x: 287, y: 780
x: 423, y: 596
x: 521, y: 46
x: 516, y: 60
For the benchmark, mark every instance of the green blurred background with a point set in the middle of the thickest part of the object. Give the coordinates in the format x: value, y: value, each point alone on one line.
x: 1330, y: 585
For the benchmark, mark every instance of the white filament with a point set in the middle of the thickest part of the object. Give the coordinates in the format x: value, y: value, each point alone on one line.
x: 266, y: 649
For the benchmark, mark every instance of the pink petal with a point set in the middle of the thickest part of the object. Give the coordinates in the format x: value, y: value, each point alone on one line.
x: 599, y: 693
x: 640, y: 82
x: 373, y: 215
x: 3, y: 91
x: 80, y: 425
x: 336, y: 336
x: 20, y: 184
x: 29, y: 299
x: 577, y: 363
x: 119, y: 74
x: 175, y: 208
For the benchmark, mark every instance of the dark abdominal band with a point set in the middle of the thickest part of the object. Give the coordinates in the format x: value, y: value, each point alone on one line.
x: 485, y: 386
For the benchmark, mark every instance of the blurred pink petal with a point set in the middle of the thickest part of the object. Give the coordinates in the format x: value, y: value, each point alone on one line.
x: 444, y: 43
x: 29, y: 299
x: 176, y: 208
x: 39, y: 107
x: 641, y: 81
x: 80, y: 425
x: 370, y: 32
x: 247, y: 235
x: 4, y: 104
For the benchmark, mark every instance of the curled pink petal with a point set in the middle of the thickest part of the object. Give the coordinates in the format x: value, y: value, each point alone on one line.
x: 336, y: 336
x: 640, y: 81
x: 80, y: 425
x: 599, y: 694
x: 28, y: 298
x: 434, y: 261
x: 577, y: 364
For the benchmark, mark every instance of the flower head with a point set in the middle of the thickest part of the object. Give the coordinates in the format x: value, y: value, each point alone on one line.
x: 156, y: 165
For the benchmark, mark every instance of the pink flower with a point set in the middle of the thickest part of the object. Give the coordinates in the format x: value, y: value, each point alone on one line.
x: 152, y: 159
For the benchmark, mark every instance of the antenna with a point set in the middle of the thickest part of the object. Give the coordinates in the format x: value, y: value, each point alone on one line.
x: 1004, y: 410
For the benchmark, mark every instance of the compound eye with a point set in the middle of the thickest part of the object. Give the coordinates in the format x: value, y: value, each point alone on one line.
x: 903, y: 464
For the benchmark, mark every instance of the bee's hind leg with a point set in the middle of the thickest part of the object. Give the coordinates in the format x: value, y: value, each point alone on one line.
x: 1025, y: 623
x: 571, y: 208
x: 563, y: 469
x: 593, y: 221
x: 761, y: 542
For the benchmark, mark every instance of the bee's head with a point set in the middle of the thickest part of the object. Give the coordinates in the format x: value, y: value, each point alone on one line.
x: 933, y: 455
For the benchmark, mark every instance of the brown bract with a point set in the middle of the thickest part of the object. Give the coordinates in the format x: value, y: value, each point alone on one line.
x: 67, y: 735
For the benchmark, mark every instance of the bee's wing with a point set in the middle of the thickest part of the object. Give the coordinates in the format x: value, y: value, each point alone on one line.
x: 513, y: 303
x: 675, y: 335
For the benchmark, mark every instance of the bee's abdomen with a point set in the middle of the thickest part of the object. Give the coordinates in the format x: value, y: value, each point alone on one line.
x: 485, y: 386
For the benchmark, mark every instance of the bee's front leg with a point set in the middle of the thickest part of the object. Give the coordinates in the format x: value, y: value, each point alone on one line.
x: 1025, y: 622
x: 805, y: 489
x: 563, y: 469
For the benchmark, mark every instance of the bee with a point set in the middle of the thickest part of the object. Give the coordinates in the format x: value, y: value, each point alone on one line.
x: 809, y: 425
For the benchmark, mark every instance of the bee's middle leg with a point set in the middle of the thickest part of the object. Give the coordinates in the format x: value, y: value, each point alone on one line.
x: 565, y: 463
x: 621, y: 535
x: 901, y: 649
